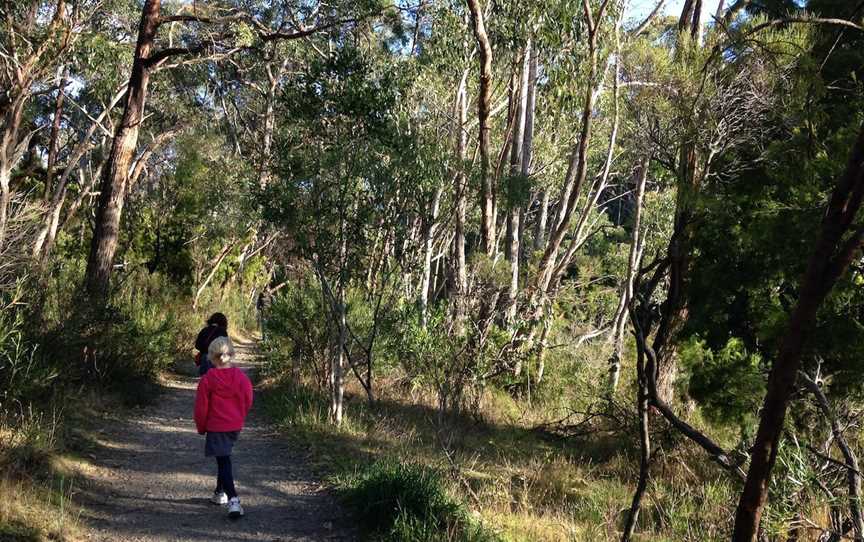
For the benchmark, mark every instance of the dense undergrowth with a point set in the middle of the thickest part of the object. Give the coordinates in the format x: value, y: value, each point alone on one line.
x: 519, y: 480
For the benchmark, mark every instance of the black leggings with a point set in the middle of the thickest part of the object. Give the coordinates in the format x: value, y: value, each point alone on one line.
x: 225, y: 476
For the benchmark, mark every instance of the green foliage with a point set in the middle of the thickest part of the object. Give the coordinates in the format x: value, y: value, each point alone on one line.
x: 405, y: 502
x: 729, y: 383
x: 24, y: 373
x: 298, y: 328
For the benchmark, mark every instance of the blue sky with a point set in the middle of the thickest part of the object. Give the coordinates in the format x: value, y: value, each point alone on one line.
x: 641, y: 8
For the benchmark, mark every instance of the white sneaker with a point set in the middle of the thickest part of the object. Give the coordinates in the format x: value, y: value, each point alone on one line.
x: 235, y: 511
x: 219, y: 497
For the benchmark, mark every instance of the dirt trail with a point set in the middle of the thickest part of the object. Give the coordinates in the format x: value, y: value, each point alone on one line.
x: 151, y: 481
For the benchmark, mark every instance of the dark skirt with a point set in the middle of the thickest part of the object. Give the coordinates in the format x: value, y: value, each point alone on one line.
x: 219, y: 444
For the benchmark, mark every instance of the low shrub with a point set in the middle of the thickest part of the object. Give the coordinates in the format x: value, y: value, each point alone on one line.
x: 398, y: 501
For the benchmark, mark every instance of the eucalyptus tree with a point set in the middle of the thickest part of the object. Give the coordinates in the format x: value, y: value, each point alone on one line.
x: 211, y: 33
x: 344, y: 111
x: 36, y: 37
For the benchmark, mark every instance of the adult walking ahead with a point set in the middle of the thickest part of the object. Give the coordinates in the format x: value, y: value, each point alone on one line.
x: 217, y: 326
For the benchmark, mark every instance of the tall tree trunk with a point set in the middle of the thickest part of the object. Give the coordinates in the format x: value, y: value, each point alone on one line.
x: 516, y: 171
x: 226, y: 249
x: 24, y: 72
x: 579, y: 235
x: 680, y: 245
x: 487, y: 190
x: 53, y: 140
x: 113, y: 189
x: 5, y: 200
x: 829, y: 260
x: 10, y: 152
x: 575, y: 177
x: 461, y: 268
x: 542, y: 218
x: 47, y: 234
x: 338, y: 369
x: 577, y: 168
x: 428, y: 247
x: 273, y: 79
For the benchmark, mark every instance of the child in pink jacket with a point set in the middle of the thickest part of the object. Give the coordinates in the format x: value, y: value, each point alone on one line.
x: 223, y: 399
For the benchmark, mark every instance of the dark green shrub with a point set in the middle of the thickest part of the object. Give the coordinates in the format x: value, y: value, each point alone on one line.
x: 398, y: 501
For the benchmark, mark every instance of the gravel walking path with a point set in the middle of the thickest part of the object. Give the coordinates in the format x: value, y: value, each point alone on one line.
x: 150, y: 480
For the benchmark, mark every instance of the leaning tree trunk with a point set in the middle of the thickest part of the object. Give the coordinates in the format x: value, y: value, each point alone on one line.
x: 113, y: 187
x: 577, y: 168
x: 830, y: 259
x: 636, y: 246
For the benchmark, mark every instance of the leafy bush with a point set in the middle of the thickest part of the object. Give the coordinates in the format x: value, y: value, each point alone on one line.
x: 23, y: 371
x: 728, y: 382
x: 405, y: 502
x: 297, y: 329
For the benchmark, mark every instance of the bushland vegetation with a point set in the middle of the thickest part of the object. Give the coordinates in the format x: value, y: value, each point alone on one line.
x: 529, y: 271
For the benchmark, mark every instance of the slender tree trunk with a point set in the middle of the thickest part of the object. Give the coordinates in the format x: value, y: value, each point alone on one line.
x: 633, y: 262
x: 829, y: 260
x: 222, y: 255
x: 428, y: 247
x: 269, y: 120
x: 113, y: 189
x: 686, y: 18
x: 577, y: 168
x: 642, y: 398
x: 461, y: 271
x: 53, y: 140
x: 516, y: 169
x: 540, y: 225
x: 674, y: 310
x: 5, y: 200
x: 487, y: 191
x: 575, y: 178
x: 541, y: 351
x: 47, y: 234
x: 338, y: 369
x: 579, y: 235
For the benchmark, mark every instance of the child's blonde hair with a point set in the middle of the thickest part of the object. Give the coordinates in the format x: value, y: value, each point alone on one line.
x: 221, y: 351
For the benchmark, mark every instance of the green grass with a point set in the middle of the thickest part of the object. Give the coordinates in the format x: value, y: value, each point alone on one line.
x: 16, y: 531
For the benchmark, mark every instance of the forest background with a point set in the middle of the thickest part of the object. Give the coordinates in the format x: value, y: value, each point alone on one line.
x: 571, y: 270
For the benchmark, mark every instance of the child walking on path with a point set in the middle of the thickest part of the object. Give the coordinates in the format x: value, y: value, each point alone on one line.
x: 217, y: 326
x: 222, y: 402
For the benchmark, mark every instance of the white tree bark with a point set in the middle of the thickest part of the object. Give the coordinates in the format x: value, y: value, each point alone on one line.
x: 428, y: 242
x: 517, y: 164
x: 637, y: 245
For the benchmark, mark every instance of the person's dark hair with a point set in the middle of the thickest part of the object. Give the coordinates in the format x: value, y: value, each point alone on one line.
x: 217, y: 318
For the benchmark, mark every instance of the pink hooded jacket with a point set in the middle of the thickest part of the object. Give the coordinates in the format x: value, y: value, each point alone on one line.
x: 223, y: 399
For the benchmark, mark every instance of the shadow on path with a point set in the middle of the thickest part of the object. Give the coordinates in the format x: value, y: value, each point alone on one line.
x: 151, y: 481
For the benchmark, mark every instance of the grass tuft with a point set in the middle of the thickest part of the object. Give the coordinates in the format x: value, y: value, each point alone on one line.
x: 398, y: 501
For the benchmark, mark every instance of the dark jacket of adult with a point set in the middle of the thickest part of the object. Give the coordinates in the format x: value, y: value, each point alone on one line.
x: 207, y: 335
